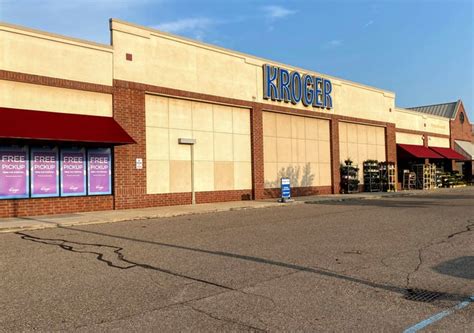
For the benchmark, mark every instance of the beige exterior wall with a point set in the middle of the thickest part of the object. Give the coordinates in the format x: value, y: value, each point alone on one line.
x: 417, y: 139
x: 33, y: 52
x: 222, y: 150
x: 409, y: 139
x: 438, y: 142
x: 164, y: 60
x: 360, y: 143
x: 417, y: 121
x: 44, y: 98
x: 298, y: 148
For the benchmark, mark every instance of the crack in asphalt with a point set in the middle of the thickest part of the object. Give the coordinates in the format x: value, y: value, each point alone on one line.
x: 420, y: 262
x: 432, y: 243
x: 258, y: 260
x: 225, y: 319
x: 103, y: 256
x: 468, y: 228
x: 75, y: 247
x: 117, y: 251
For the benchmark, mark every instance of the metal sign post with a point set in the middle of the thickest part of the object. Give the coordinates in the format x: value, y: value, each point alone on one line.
x: 285, y: 189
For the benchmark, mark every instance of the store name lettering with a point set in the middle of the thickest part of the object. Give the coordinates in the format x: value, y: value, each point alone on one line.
x: 281, y: 85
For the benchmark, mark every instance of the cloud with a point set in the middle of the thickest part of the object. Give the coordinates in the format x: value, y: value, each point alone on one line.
x: 196, y: 27
x: 335, y: 43
x: 332, y: 44
x: 368, y: 23
x: 77, y: 4
x: 276, y: 12
x: 186, y: 24
x: 62, y: 16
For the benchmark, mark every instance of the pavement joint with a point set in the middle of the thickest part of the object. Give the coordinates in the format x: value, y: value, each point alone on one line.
x: 228, y: 320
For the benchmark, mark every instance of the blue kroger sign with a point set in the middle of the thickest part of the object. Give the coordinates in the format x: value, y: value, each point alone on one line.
x: 281, y: 85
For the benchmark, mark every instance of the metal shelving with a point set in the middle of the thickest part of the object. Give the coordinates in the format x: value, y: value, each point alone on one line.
x: 371, y: 176
x: 388, y: 176
x: 349, y: 177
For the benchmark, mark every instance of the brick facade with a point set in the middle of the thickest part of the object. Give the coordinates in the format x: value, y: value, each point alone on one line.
x: 390, y: 143
x: 335, y: 163
x: 60, y: 205
x: 54, y: 82
x: 461, y: 131
x: 130, y: 183
x: 256, y: 128
x: 50, y: 206
x: 299, y: 191
x: 458, y: 130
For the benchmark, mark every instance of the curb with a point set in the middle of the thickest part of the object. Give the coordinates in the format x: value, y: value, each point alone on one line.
x: 47, y: 225
x: 38, y: 225
x: 356, y: 197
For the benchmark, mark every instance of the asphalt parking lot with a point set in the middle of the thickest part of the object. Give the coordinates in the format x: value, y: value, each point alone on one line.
x: 335, y: 266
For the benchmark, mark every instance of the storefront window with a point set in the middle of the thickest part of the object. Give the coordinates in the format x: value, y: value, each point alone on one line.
x: 14, y: 172
x: 99, y: 171
x: 44, y: 172
x: 48, y: 171
x: 73, y: 171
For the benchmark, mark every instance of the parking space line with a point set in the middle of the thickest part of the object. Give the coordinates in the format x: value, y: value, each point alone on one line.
x: 439, y: 316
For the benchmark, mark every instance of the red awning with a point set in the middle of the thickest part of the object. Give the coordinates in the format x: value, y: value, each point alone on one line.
x: 418, y: 151
x: 54, y: 126
x: 449, y: 153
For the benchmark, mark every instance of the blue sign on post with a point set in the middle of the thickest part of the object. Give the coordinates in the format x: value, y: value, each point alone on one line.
x: 285, y: 189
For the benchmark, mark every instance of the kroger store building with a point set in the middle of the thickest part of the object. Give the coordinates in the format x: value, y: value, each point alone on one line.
x: 86, y: 126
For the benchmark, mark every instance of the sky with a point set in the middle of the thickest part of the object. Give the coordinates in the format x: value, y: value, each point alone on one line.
x: 421, y: 50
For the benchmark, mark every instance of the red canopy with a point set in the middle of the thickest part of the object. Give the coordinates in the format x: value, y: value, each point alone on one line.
x: 54, y: 126
x: 449, y: 153
x: 419, y: 151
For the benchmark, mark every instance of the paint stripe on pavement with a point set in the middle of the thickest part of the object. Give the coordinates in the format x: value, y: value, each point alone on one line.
x: 438, y: 316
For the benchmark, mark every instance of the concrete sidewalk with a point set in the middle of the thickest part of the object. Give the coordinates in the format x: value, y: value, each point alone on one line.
x: 109, y: 216
x: 42, y: 222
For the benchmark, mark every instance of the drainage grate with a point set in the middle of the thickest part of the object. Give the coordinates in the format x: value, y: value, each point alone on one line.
x: 421, y: 295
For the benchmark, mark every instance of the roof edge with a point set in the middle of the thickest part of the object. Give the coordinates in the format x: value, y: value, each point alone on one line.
x: 58, y: 37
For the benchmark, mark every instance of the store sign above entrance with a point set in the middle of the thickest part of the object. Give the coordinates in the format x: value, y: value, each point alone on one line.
x: 281, y: 85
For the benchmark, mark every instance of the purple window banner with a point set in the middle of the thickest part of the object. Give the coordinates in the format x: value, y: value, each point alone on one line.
x: 14, y: 172
x: 44, y: 168
x: 73, y: 172
x: 99, y: 171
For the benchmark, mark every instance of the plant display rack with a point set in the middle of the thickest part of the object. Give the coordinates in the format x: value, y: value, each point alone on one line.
x: 371, y: 176
x: 433, y: 175
x: 451, y: 179
x: 349, y: 177
x: 425, y: 176
x: 388, y: 178
x: 409, y: 180
x: 439, y: 177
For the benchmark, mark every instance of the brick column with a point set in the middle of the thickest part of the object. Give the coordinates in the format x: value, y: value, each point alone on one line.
x: 425, y: 143
x: 335, y: 163
x: 390, y: 143
x: 129, y: 183
x: 391, y: 150
x: 256, y: 126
